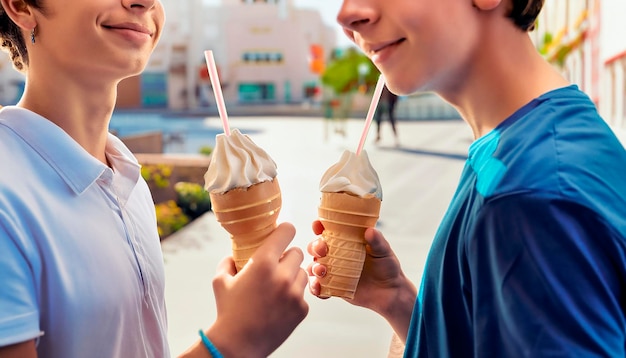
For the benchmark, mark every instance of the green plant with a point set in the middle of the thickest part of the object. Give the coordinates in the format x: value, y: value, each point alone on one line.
x: 159, y: 174
x: 350, y: 71
x: 170, y: 218
x: 192, y: 198
x: 206, y: 150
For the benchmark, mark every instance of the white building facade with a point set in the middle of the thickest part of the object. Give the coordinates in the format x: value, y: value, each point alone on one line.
x: 263, y: 51
x: 262, y: 48
x: 585, y: 40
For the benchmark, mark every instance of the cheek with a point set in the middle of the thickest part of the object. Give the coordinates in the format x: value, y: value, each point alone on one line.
x: 160, y: 16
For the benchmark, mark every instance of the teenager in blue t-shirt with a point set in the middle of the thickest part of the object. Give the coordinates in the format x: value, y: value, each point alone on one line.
x: 530, y: 258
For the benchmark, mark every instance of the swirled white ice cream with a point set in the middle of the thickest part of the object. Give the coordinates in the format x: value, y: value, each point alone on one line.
x: 352, y: 174
x: 237, y: 162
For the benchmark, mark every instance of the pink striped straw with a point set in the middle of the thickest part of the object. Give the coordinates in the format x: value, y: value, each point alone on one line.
x: 370, y: 113
x: 217, y: 89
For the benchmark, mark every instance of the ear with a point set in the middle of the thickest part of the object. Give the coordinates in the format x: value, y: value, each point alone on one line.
x: 487, y: 5
x: 21, y: 13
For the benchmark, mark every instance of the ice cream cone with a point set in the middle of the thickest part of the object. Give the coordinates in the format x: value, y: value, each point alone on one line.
x: 345, y: 218
x: 249, y: 215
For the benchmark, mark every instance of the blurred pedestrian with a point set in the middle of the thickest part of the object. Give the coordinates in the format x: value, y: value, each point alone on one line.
x: 387, y: 106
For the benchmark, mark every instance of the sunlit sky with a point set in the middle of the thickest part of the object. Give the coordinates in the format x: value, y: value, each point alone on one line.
x: 328, y: 9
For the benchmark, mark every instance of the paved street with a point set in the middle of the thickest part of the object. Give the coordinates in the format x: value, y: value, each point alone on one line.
x: 418, y: 180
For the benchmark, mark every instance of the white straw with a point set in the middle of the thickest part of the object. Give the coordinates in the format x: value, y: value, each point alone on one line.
x: 217, y: 89
x: 370, y: 113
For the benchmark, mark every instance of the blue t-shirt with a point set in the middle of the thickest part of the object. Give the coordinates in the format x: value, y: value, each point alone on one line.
x: 530, y: 258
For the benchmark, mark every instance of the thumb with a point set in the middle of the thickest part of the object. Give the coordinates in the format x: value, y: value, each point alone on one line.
x: 226, y: 270
x: 377, y: 246
x: 226, y: 267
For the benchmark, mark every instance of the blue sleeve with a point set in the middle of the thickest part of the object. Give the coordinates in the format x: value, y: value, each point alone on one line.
x: 547, y: 279
x: 19, y: 315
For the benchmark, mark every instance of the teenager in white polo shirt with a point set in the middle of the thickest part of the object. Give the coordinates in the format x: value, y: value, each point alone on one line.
x: 81, y: 271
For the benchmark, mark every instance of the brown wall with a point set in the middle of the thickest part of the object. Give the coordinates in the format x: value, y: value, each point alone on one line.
x: 129, y: 93
x: 144, y: 143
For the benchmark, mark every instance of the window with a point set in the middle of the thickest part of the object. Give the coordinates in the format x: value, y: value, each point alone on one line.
x: 259, y: 57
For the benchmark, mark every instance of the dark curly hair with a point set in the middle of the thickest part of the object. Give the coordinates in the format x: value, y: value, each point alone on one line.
x: 11, y: 38
x: 524, y: 13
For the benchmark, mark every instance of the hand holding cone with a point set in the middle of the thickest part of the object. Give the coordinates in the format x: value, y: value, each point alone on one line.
x: 345, y: 218
x: 249, y: 215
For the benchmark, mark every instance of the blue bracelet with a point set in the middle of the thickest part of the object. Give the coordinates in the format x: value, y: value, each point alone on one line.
x: 209, y: 345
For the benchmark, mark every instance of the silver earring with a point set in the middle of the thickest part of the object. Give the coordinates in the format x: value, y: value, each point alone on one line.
x: 32, y: 35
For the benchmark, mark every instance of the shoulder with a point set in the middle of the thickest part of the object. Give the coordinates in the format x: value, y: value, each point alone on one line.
x: 561, y: 145
x: 15, y: 154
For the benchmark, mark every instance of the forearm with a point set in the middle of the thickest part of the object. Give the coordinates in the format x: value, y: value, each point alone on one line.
x: 399, y: 308
x: 226, y: 343
x: 396, y: 347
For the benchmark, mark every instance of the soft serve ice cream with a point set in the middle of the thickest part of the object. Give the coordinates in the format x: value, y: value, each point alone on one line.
x: 237, y: 162
x: 352, y: 174
x: 350, y: 203
x: 245, y: 195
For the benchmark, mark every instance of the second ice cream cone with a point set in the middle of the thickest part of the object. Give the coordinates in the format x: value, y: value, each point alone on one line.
x: 249, y: 215
x: 345, y: 218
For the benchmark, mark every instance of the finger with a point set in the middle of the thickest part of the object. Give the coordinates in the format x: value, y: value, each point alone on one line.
x: 314, y: 286
x: 318, y: 227
x: 276, y: 243
x: 318, y: 270
x: 301, y: 282
x: 226, y: 267
x: 317, y: 248
x: 377, y: 246
x: 309, y: 269
x: 293, y: 257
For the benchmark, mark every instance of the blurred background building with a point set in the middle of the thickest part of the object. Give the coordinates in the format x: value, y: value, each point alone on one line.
x: 272, y: 52
x: 267, y: 52
x: 585, y: 40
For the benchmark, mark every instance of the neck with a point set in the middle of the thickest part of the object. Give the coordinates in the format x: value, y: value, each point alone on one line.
x: 82, y: 111
x: 504, y: 75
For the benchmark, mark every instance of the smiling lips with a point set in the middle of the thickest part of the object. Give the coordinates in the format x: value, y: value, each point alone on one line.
x: 380, y: 52
x: 129, y: 26
x: 133, y: 32
x: 376, y: 48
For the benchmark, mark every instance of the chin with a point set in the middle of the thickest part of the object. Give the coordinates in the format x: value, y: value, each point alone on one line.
x: 402, y: 87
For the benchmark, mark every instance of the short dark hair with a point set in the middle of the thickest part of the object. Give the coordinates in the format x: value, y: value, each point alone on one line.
x: 11, y: 38
x: 524, y: 13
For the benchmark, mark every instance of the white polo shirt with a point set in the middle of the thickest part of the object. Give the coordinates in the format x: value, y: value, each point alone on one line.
x: 80, y: 258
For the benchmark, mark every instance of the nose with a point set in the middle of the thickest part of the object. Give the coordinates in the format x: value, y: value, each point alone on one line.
x: 355, y: 14
x: 139, y: 4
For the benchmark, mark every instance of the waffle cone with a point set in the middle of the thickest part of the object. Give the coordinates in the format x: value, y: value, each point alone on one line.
x: 345, y: 218
x: 249, y: 215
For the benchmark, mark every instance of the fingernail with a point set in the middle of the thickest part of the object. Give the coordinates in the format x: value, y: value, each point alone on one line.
x: 319, y: 270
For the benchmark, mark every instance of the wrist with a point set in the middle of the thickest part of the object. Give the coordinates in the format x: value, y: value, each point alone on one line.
x: 232, y: 342
x: 208, y: 344
x: 399, y: 307
x: 218, y: 338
